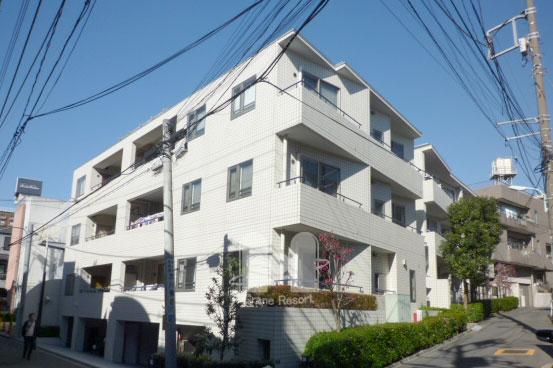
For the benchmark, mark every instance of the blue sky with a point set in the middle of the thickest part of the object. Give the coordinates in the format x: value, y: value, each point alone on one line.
x: 123, y: 37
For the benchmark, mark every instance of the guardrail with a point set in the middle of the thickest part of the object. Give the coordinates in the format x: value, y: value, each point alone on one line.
x: 300, y: 179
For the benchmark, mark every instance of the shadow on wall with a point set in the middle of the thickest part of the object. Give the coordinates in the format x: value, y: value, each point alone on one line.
x: 133, y: 338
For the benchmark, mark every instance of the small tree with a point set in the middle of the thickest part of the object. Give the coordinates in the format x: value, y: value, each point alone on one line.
x: 503, y: 272
x: 475, y: 231
x: 223, y: 305
x: 333, y: 275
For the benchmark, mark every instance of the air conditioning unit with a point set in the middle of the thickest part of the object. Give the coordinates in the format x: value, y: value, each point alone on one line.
x: 181, y: 150
x: 156, y: 165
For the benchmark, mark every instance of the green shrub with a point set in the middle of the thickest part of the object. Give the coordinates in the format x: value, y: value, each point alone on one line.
x: 476, y: 312
x: 7, y: 317
x: 277, y: 295
x: 504, y: 304
x: 380, y: 345
x: 49, y: 331
x: 188, y: 361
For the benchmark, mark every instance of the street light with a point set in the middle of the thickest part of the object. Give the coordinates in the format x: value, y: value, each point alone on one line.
x: 530, y: 189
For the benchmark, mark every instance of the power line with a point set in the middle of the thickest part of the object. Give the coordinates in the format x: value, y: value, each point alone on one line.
x: 13, y: 40
x: 27, y: 38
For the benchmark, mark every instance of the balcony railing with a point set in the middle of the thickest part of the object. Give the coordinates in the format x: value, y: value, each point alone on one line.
x: 149, y: 287
x: 100, y: 235
x: 317, y: 284
x: 341, y: 197
x: 95, y: 290
x: 146, y: 220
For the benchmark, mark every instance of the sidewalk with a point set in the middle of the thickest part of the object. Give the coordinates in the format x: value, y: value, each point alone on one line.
x: 55, y: 347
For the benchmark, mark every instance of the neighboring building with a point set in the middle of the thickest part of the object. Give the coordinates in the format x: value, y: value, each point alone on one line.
x: 440, y: 189
x: 525, y: 245
x: 35, y: 211
x: 6, y: 223
x: 328, y: 155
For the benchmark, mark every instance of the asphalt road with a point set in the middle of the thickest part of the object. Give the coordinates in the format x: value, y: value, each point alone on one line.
x: 10, y: 356
x: 513, y: 330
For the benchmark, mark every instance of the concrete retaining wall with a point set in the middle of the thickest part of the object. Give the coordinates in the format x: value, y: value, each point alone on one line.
x: 289, y: 329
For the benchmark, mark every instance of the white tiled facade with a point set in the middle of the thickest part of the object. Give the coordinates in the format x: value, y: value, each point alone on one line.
x: 277, y: 134
x: 441, y: 189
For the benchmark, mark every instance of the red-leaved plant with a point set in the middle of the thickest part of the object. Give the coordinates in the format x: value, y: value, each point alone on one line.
x: 333, y: 275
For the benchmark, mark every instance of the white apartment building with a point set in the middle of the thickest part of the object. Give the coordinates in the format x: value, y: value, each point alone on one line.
x: 327, y: 154
x: 440, y: 189
x: 46, y: 249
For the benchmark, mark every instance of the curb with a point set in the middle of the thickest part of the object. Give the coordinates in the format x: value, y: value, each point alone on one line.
x: 482, y: 325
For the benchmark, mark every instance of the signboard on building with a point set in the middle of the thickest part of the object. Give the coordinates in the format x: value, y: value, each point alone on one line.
x: 28, y: 187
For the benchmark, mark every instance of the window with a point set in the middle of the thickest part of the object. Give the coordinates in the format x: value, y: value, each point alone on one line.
x: 196, y: 123
x: 378, y: 207
x: 69, y: 284
x: 398, y: 214
x: 186, y: 274
x: 80, y: 186
x: 191, y: 195
x: 238, y: 262
x: 510, y: 211
x: 7, y: 242
x: 412, y: 286
x: 376, y: 282
x: 398, y: 149
x: 518, y: 241
x: 325, y: 90
x: 75, y: 234
x: 319, y: 175
x: 240, y: 180
x: 548, y: 250
x: 377, y: 134
x: 245, y: 100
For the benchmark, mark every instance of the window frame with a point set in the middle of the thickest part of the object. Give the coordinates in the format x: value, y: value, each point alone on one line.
x: 186, y: 286
x: 394, y: 220
x: 78, y: 190
x: 243, y: 267
x: 78, y: 236
x: 238, y: 91
x: 318, y: 184
x: 398, y: 144
x: 69, y: 280
x: 320, y: 81
x: 412, y: 286
x: 183, y: 199
x: 239, y: 167
x: 382, y: 213
x: 7, y: 242
x: 192, y: 117
x: 380, y: 133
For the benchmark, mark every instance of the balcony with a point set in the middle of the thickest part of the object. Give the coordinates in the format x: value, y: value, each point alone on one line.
x: 520, y: 223
x: 310, y: 120
x: 436, y: 198
x: 434, y: 241
x: 303, y: 208
x: 146, y: 209
x: 147, y: 147
x: 102, y: 223
x: 95, y: 279
x: 106, y: 170
x: 145, y: 274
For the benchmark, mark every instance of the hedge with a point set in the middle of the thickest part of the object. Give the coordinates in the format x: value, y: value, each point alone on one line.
x: 188, y: 361
x: 504, y: 304
x: 482, y: 309
x: 381, y: 345
x: 285, y: 296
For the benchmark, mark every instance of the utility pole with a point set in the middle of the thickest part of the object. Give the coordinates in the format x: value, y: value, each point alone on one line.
x: 543, y: 112
x: 169, y: 249
x: 20, y: 309
x: 531, y: 44
x: 42, y: 287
